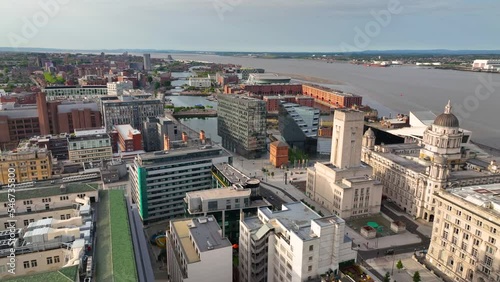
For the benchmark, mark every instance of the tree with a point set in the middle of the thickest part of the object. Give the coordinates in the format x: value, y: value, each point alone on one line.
x: 416, y: 277
x: 399, y: 265
x: 272, y: 173
x: 157, y: 85
x: 150, y: 79
x: 387, y: 277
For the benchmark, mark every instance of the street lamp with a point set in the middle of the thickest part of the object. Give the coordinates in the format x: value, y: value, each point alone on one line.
x: 393, y: 257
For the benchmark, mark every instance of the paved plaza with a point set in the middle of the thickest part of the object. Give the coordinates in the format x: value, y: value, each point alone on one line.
x: 388, y: 264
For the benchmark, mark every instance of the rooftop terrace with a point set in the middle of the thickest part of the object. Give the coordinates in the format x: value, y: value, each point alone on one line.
x: 55, y: 190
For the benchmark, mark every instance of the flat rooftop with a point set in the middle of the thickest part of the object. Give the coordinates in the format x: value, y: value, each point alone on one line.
x: 221, y: 193
x: 295, y: 217
x: 271, y: 76
x: 231, y: 173
x: 65, y: 274
x: 193, y: 150
x: 485, y: 196
x: 125, y: 129
x: 48, y: 191
x: 76, y: 87
x: 407, y: 161
x: 204, y: 231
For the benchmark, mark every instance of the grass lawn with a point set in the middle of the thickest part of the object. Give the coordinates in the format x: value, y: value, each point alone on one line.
x: 114, y: 252
x: 124, y: 268
x: 357, y: 223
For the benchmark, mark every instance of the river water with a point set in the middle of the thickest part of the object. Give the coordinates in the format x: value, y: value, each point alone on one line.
x: 399, y: 89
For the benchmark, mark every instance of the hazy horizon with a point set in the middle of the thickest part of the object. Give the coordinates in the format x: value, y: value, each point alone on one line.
x: 251, y: 26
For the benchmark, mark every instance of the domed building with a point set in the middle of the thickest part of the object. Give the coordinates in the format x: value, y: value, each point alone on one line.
x: 443, y: 138
x: 411, y: 173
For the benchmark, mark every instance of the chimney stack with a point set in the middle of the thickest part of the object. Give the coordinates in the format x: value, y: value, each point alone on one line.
x: 202, y: 136
x: 166, y: 142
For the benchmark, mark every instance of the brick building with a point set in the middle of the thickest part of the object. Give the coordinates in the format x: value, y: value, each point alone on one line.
x: 322, y: 95
x: 23, y: 121
x: 278, y: 153
x: 331, y: 97
x: 64, y: 117
x: 129, y: 139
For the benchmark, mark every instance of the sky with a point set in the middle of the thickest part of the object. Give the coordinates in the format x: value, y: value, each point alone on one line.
x: 251, y: 25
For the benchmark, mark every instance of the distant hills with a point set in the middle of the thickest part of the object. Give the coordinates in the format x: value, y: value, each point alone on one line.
x: 295, y: 54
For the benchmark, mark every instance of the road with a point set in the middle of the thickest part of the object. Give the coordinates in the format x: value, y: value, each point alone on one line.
x: 271, y: 197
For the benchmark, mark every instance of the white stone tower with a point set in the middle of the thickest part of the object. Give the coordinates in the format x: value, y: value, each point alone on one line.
x: 347, y: 138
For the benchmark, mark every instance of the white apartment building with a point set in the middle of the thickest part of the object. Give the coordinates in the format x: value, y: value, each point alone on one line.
x: 56, y: 201
x: 197, y: 251
x: 225, y: 204
x: 294, y: 244
x: 200, y: 82
x: 117, y: 88
x: 47, y: 244
x: 486, y: 64
x: 345, y: 185
x: 466, y: 233
x: 75, y: 92
x: 89, y: 146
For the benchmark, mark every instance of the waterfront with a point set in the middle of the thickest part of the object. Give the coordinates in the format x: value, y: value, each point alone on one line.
x: 209, y: 125
x: 397, y: 89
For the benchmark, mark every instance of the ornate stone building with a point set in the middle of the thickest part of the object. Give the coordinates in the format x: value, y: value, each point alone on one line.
x: 412, y: 173
x: 345, y: 185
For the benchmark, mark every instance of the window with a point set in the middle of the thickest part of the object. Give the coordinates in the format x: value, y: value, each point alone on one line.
x: 493, y: 230
x: 49, y: 260
x: 488, y: 260
x: 63, y: 217
x: 311, y: 248
x: 310, y: 258
x: 33, y: 263
x: 56, y: 259
x: 309, y: 268
x: 26, y: 264
x: 3, y: 269
x: 26, y: 223
x: 492, y: 240
x: 478, y: 232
